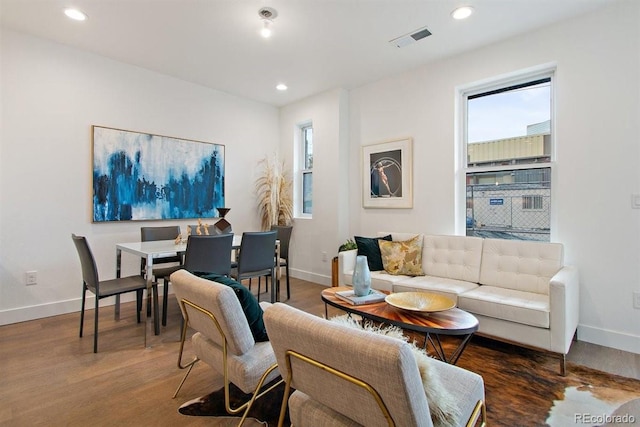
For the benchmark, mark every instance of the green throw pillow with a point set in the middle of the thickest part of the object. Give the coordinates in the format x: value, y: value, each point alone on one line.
x: 250, y: 306
x: 368, y: 246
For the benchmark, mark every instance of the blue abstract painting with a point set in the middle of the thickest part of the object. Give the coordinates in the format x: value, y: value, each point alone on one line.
x: 139, y: 176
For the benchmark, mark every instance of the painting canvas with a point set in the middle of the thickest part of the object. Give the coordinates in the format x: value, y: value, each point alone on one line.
x: 140, y: 176
x: 386, y: 179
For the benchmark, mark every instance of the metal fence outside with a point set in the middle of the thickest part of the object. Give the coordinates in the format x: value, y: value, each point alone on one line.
x: 509, y: 211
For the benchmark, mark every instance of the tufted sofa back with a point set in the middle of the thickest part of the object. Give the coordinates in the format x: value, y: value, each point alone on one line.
x: 453, y: 257
x: 520, y: 265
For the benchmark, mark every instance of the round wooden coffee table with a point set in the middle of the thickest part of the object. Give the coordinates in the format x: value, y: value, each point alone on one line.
x: 450, y: 322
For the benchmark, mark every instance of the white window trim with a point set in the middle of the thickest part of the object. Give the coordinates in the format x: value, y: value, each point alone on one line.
x: 300, y: 170
x: 460, y: 136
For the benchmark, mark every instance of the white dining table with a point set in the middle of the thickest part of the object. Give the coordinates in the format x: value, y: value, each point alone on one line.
x: 162, y: 248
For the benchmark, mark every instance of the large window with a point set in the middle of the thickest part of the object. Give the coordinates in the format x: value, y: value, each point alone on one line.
x: 307, y: 169
x: 508, y: 146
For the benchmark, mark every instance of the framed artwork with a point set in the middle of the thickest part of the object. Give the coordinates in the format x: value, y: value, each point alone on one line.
x: 140, y: 176
x: 387, y: 175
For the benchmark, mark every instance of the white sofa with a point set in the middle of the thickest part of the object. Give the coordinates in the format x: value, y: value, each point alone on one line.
x: 520, y: 291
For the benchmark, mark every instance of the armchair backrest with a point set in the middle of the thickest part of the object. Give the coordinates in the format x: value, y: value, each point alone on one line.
x: 209, y: 254
x: 284, y: 236
x: 150, y: 234
x: 386, y: 364
x: 257, y: 251
x: 218, y: 300
x: 87, y: 262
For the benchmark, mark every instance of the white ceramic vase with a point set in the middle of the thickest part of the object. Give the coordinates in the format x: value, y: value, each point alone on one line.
x: 361, y: 278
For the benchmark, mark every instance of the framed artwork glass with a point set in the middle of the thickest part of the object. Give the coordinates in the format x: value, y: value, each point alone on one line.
x: 387, y: 174
x: 140, y: 176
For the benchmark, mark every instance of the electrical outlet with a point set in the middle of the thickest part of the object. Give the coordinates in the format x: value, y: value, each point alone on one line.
x: 636, y: 300
x: 31, y: 277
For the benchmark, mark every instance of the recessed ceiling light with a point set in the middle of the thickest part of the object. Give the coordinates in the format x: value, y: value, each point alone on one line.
x: 75, y: 14
x: 281, y: 86
x: 462, y: 12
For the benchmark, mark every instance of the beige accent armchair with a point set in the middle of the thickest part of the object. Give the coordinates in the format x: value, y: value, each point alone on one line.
x: 350, y: 377
x: 223, y: 339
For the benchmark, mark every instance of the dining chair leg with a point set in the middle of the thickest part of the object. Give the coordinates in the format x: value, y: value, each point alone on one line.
x: 286, y: 269
x: 138, y: 304
x: 95, y: 326
x: 84, y: 294
x: 148, y: 305
x: 266, y: 285
x: 156, y: 314
x: 165, y: 297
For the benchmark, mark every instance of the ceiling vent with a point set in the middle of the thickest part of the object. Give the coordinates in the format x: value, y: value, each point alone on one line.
x: 408, y: 39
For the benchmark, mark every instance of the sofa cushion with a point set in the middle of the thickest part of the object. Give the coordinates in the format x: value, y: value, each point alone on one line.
x: 448, y: 287
x: 368, y: 246
x: 521, y: 265
x: 452, y: 257
x: 529, y: 308
x: 404, y: 257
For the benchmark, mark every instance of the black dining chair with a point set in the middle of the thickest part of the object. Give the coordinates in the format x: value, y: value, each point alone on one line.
x: 209, y: 254
x: 150, y: 234
x: 106, y: 288
x: 284, y: 236
x: 256, y: 256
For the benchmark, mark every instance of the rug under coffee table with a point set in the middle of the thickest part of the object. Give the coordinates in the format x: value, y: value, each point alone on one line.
x: 452, y: 322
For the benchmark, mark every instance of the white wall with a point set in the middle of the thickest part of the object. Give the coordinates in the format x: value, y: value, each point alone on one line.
x: 311, y: 237
x: 51, y: 95
x: 595, y: 173
x: 598, y: 152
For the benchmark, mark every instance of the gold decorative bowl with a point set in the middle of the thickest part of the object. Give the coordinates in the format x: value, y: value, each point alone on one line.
x: 422, y: 302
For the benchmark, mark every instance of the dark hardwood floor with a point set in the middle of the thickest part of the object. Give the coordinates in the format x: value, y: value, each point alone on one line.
x: 49, y: 376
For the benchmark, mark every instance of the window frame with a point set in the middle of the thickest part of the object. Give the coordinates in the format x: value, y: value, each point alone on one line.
x: 497, y: 84
x: 304, y: 170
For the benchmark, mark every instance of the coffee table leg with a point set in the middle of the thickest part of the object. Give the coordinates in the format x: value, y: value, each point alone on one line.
x: 456, y: 354
x: 439, y: 350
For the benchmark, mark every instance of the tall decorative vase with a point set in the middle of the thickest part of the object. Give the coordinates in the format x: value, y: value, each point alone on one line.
x: 361, y: 277
x: 222, y: 226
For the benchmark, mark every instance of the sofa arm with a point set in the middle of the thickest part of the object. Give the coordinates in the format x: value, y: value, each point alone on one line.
x: 564, y: 302
x: 346, y: 264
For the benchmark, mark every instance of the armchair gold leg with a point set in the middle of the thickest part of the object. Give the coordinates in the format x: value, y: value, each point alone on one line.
x: 257, y: 395
x: 183, y: 337
x: 479, y: 413
x: 190, y: 366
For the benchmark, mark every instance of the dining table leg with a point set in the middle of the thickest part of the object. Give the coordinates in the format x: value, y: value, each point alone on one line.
x: 154, y: 290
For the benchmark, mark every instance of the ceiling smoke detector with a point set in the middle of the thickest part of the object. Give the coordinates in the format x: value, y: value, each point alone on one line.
x: 268, y: 13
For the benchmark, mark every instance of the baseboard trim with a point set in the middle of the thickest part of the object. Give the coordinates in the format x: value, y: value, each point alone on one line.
x: 321, y: 279
x: 33, y: 312
x: 607, y: 338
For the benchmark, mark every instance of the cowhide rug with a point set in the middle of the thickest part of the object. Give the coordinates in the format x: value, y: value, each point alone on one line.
x: 522, y: 388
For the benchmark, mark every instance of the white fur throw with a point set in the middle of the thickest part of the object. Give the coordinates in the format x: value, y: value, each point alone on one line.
x: 442, y: 406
